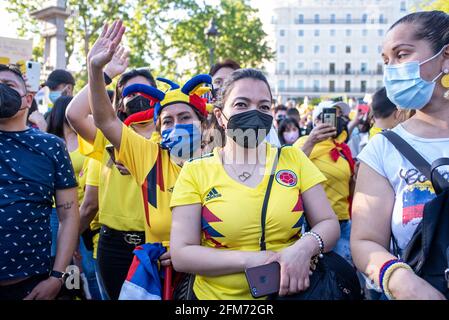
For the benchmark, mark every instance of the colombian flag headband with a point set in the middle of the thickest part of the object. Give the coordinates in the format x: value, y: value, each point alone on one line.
x: 189, y: 94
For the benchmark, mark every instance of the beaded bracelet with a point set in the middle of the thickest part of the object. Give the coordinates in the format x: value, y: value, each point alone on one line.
x: 318, y: 239
x: 384, y: 268
x: 387, y: 276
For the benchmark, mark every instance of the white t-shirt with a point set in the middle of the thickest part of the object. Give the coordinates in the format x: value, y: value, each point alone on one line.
x: 412, y: 189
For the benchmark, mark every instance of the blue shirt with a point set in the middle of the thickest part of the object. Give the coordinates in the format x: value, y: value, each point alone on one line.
x: 33, y: 165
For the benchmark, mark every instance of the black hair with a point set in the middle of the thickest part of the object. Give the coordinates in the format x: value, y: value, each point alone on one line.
x: 381, y: 106
x: 280, y: 107
x: 432, y: 26
x: 239, y: 75
x: 15, y: 70
x: 125, y: 77
x: 57, y: 118
x: 228, y: 63
x: 292, y: 112
x: 284, y: 125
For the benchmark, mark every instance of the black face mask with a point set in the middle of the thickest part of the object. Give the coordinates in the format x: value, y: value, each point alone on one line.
x: 137, y: 104
x: 249, y: 129
x: 10, y: 101
x: 342, y: 125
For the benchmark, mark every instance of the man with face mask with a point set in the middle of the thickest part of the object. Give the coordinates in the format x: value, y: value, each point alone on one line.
x: 35, y: 168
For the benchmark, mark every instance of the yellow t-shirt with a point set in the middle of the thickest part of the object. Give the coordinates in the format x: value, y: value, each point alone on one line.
x: 120, y: 205
x: 93, y: 179
x: 156, y: 174
x: 79, y: 162
x: 231, y: 211
x: 338, y: 175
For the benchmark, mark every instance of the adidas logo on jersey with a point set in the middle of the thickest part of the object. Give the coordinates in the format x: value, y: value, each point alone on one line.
x: 213, y: 193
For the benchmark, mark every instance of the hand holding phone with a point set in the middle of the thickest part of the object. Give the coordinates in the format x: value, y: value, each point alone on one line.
x: 121, y: 168
x: 329, y: 116
x: 264, y: 280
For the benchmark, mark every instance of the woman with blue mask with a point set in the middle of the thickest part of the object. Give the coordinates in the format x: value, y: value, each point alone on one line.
x: 179, y: 115
x: 391, y: 193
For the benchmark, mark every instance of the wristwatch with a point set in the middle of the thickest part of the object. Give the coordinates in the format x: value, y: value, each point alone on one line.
x: 58, y: 275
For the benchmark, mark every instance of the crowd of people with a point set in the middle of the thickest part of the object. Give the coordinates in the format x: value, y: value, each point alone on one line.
x: 211, y: 177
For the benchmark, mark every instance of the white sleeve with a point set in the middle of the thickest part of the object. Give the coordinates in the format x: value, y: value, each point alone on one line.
x: 374, y: 154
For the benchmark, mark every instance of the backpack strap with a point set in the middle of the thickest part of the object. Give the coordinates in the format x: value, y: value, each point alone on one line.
x: 417, y: 160
x: 262, y: 243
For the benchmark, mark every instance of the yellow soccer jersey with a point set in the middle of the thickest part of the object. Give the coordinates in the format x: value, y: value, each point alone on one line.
x: 120, y: 205
x: 93, y: 179
x: 79, y: 162
x: 338, y: 175
x: 156, y: 174
x: 231, y: 211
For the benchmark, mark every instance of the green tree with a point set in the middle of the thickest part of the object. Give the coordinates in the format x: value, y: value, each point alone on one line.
x: 241, y: 37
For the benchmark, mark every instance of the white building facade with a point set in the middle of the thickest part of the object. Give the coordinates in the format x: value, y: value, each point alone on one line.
x: 330, y: 47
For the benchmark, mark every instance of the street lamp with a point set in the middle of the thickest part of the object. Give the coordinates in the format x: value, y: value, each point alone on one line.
x: 210, y: 32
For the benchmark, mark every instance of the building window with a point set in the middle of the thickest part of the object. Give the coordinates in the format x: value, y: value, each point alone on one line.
x: 332, y: 49
x: 348, y: 32
x: 363, y: 86
x: 300, y: 66
x: 317, y: 18
x: 333, y: 18
x: 365, y: 32
x: 300, y: 49
x: 348, y: 18
x: 332, y: 32
x: 364, y: 67
x: 347, y: 86
x: 316, y: 66
x: 300, y: 84
x: 301, y: 18
x: 282, y: 33
x: 380, y: 68
x: 332, y: 68
x: 317, y: 33
x: 380, y: 84
x: 316, y: 49
x: 379, y: 49
x: 364, y: 49
x: 281, y: 66
x: 364, y: 18
x: 403, y: 6
x: 316, y: 85
x: 348, y: 68
x: 332, y: 85
x: 300, y: 33
x: 380, y: 32
x: 348, y: 49
x: 282, y: 49
x: 381, y: 19
x: 281, y: 84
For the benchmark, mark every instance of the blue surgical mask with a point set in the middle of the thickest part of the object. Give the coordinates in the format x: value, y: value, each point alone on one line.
x: 182, y: 140
x: 54, y: 96
x: 405, y: 87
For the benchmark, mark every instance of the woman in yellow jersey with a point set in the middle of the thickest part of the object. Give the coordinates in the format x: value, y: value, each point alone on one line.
x: 120, y: 207
x: 218, y: 199
x: 58, y: 125
x: 326, y: 148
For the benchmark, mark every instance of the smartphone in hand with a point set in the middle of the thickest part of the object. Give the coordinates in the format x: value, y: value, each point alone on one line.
x: 111, y: 152
x: 33, y: 74
x: 329, y: 116
x: 264, y: 280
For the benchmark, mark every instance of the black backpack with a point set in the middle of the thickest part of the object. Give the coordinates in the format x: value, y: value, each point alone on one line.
x: 428, y: 250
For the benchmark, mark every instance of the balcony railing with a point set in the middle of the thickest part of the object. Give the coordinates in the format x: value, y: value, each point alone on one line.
x: 341, y: 21
x: 325, y: 90
x: 328, y: 72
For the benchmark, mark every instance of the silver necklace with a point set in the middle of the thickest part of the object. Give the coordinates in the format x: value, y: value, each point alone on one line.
x: 245, y: 175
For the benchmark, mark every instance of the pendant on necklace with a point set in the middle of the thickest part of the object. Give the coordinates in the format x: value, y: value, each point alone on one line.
x: 244, y: 176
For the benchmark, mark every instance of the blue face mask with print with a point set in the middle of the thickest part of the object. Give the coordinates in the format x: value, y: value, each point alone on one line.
x: 54, y: 96
x: 182, y: 140
x: 405, y: 87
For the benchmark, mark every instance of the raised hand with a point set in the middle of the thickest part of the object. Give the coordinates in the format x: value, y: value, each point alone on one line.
x: 118, y: 64
x: 104, y: 48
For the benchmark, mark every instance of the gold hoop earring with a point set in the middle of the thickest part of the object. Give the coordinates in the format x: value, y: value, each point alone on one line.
x: 445, y: 83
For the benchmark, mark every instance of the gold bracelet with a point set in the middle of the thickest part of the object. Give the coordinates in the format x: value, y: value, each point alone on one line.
x: 387, y: 276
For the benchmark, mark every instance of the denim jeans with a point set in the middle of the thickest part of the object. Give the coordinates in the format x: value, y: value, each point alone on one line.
x: 342, y: 247
x: 20, y: 290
